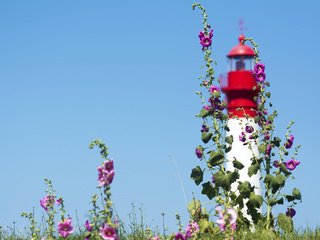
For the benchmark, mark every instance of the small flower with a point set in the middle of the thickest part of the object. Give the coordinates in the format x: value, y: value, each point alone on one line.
x: 249, y: 129
x: 88, y: 226
x: 214, y: 89
x: 268, y: 150
x: 191, y: 229
x: 155, y: 238
x: 205, y: 83
x: 65, y: 228
x: 59, y: 201
x: 242, y: 137
x: 266, y: 136
x: 213, y: 179
x: 199, y: 152
x: 204, y: 128
x: 206, y: 107
x: 290, y: 212
x: 260, y: 76
x: 289, y: 142
x: 276, y: 163
x: 292, y: 164
x: 179, y: 236
x: 259, y: 67
x: 230, y: 215
x: 108, y: 233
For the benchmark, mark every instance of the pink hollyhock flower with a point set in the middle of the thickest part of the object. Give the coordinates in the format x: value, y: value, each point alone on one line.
x: 88, y: 226
x: 289, y: 142
x: 191, y: 229
x: 179, y: 236
x: 208, y: 108
x: 65, y: 228
x: 59, y: 201
x: 46, y: 202
x: 292, y: 164
x: 108, y: 233
x: 214, y: 89
x: 221, y: 221
x: 106, y: 173
x: 230, y: 215
x: 233, y: 218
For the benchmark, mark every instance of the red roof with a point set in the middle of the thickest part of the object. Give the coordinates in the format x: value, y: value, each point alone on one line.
x: 241, y: 49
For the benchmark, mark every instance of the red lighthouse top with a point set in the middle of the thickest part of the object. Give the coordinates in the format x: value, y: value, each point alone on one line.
x: 241, y: 49
x: 241, y: 88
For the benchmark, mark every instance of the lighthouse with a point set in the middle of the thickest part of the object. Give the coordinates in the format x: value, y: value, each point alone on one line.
x: 241, y: 92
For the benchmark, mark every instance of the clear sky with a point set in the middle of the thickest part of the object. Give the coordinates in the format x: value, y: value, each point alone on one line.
x: 126, y: 72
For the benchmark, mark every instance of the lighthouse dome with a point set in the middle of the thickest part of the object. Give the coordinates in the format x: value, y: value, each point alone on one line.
x: 241, y: 49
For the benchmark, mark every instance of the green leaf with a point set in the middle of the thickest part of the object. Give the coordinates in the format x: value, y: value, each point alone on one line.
x: 268, y: 94
x: 276, y: 141
x: 284, y: 169
x: 245, y: 189
x: 197, y: 175
x: 280, y: 201
x: 272, y: 201
x: 237, y: 164
x: 296, y: 193
x: 253, y: 169
x: 232, y: 176
x: 290, y: 198
x: 221, y: 180
x: 216, y: 158
x: 204, y: 113
x: 277, y: 182
x: 285, y: 223
x: 262, y: 148
x: 208, y: 190
x: 228, y: 149
x: 229, y: 139
x: 206, y: 136
x: 255, y: 201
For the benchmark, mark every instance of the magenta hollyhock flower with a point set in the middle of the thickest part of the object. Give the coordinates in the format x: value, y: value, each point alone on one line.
x: 289, y: 142
x: 88, y: 226
x: 268, y: 150
x: 249, y: 129
x: 108, y: 233
x: 260, y: 76
x: 199, y: 152
x: 290, y: 212
x: 65, y: 228
x: 208, y: 108
x: 292, y: 164
x: 205, y: 40
x: 179, y: 236
x: 191, y: 229
x: 242, y: 137
x: 214, y: 89
x: 259, y: 67
x: 276, y: 163
x: 266, y: 136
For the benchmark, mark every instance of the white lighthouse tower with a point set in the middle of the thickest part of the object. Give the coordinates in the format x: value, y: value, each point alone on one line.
x: 241, y: 90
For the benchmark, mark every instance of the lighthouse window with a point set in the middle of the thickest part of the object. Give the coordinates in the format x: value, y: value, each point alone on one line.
x: 240, y: 63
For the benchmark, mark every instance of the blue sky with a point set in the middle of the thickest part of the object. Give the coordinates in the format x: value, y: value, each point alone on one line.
x: 126, y: 72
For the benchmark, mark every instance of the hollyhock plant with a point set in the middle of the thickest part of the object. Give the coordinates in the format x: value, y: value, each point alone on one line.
x: 65, y: 228
x: 292, y: 164
x: 108, y: 233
